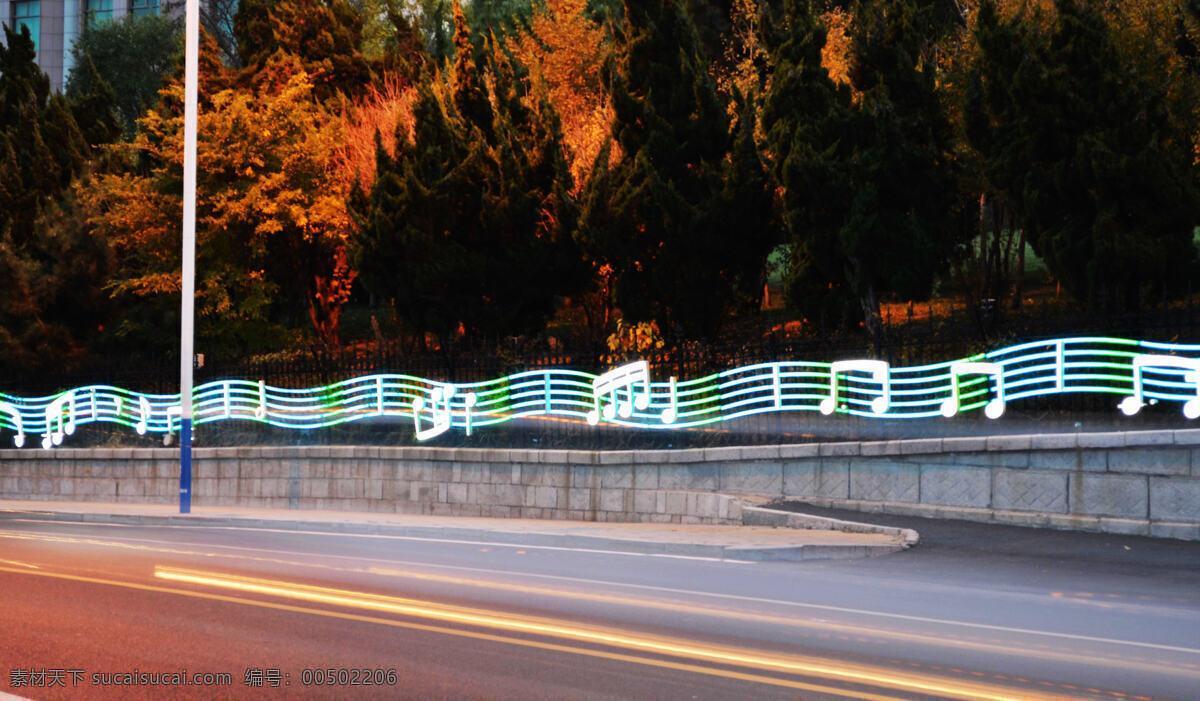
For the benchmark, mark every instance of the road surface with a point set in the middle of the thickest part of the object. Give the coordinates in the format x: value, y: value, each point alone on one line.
x: 123, y: 611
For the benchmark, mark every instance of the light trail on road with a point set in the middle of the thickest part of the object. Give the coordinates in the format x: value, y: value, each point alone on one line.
x: 844, y: 630
x: 671, y: 647
x: 623, y: 599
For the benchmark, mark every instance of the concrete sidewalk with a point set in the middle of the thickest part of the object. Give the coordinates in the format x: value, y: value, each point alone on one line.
x: 727, y: 542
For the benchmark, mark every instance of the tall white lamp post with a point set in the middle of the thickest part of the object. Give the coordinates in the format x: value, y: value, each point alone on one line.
x: 187, y: 316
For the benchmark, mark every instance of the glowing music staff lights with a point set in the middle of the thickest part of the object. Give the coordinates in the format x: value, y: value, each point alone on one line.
x: 628, y: 396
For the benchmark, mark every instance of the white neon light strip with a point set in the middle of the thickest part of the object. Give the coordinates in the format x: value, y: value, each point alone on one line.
x: 1135, y: 372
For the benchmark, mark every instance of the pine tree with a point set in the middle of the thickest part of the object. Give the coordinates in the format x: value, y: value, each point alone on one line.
x: 94, y: 108
x: 803, y: 114
x: 50, y: 303
x: 868, y: 181
x: 660, y: 223
x: 897, y: 236
x: 132, y: 56
x: 1085, y: 144
x: 747, y: 203
x: 470, y: 98
x: 500, y: 17
x: 323, y: 34
x: 466, y: 227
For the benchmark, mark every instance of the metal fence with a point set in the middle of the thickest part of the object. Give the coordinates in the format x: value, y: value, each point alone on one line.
x: 915, y: 336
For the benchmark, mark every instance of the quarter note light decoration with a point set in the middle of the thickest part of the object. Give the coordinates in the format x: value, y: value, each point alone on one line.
x: 1139, y: 372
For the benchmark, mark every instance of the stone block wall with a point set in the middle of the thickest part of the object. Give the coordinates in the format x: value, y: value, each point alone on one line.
x: 1145, y: 483
x: 457, y: 482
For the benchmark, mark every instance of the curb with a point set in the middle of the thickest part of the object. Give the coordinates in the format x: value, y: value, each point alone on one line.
x: 763, y: 516
x: 804, y: 553
x: 773, y: 553
x: 1177, y: 530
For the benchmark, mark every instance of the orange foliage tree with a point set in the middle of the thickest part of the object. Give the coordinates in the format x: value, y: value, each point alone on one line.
x: 381, y: 111
x: 271, y: 215
x: 565, y: 50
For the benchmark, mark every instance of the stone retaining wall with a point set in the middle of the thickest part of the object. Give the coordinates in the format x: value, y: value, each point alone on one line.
x: 1144, y: 482
x: 456, y: 482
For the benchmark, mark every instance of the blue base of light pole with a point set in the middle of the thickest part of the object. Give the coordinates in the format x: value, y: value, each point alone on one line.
x: 185, y: 466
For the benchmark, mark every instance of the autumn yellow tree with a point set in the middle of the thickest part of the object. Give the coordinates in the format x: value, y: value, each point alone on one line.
x: 565, y: 50
x: 271, y: 212
x: 745, y: 64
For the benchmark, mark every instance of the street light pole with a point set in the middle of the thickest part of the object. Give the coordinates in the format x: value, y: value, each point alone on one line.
x: 187, y: 315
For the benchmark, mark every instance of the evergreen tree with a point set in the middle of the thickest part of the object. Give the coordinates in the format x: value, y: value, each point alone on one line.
x: 436, y: 24
x: 404, y: 51
x: 868, y: 181
x: 500, y: 17
x: 747, y: 202
x: 466, y: 227
x: 51, y: 306
x: 803, y: 115
x: 323, y: 34
x: 38, y: 132
x: 470, y: 99
x: 898, y: 233
x: 271, y: 215
x: 132, y: 56
x: 95, y: 108
x: 659, y: 217
x: 1084, y: 143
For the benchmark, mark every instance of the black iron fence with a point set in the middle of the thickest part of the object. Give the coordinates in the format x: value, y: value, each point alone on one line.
x: 914, y: 335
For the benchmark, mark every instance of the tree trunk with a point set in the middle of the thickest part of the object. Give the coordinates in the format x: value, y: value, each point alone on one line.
x: 1019, y: 277
x: 869, y: 300
x: 329, y: 295
x: 984, y: 268
x: 996, y: 269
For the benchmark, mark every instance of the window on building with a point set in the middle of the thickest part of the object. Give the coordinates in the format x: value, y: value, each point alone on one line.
x: 29, y: 14
x: 139, y: 8
x: 99, y: 12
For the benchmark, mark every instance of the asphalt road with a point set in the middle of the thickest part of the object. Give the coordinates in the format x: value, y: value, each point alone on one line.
x: 988, y: 613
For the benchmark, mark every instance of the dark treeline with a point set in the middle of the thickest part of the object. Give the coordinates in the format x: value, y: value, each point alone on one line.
x: 465, y: 178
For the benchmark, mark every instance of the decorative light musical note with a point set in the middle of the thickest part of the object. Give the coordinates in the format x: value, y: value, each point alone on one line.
x: 1133, y: 404
x: 260, y: 412
x: 175, y: 410
x: 1060, y: 367
x: 54, y: 416
x: 144, y: 423
x: 671, y: 413
x: 624, y: 377
x: 469, y: 402
x: 441, y: 416
x: 995, y: 406
x: 879, y: 373
x: 18, y: 425
x: 776, y: 386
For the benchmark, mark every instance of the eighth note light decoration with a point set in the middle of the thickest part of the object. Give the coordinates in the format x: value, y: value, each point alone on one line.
x: 627, y: 396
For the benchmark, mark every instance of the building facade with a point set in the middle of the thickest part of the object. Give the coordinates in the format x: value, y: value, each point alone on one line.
x: 55, y: 24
